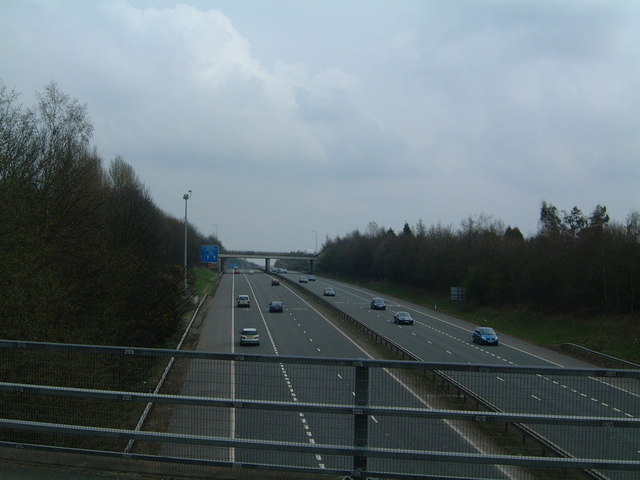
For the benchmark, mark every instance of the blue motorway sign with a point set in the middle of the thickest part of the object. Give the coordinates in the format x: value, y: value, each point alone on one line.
x: 210, y: 253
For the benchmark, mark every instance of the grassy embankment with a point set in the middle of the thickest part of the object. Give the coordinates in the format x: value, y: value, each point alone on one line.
x: 615, y: 335
x: 206, y: 281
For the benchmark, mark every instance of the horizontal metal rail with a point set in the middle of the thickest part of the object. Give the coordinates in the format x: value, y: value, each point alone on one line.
x: 317, y: 448
x: 345, y: 409
x: 415, y: 364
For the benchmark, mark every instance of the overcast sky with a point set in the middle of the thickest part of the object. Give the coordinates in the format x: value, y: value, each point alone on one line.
x: 295, y: 119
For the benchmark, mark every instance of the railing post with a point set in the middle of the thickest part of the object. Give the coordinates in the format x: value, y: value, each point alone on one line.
x: 360, y: 418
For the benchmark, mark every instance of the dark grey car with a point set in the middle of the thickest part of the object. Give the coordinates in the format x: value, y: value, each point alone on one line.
x: 403, y: 318
x: 378, y: 304
x: 276, y: 306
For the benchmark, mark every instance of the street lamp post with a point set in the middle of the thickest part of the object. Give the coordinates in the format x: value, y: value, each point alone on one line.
x: 311, y: 262
x: 186, y: 197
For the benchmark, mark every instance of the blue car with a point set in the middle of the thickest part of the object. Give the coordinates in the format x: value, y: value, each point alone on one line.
x: 485, y: 336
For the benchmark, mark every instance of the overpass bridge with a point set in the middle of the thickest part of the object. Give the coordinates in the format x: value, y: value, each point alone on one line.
x: 267, y: 256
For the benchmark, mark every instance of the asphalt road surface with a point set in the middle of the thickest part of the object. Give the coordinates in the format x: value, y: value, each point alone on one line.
x: 301, y: 330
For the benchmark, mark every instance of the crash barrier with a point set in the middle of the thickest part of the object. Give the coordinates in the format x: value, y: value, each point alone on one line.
x: 347, y: 417
x: 598, y: 357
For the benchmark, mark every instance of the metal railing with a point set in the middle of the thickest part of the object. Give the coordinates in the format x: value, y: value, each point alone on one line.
x: 358, y: 418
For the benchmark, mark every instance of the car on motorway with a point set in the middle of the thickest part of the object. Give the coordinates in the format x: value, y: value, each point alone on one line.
x: 303, y: 280
x: 329, y: 292
x: 485, y: 336
x: 378, y: 303
x: 243, y: 301
x: 276, y: 306
x: 275, y: 282
x: 403, y: 318
x: 311, y: 278
x: 249, y: 336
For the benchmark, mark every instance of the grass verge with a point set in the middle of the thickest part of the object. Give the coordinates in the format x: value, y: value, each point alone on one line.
x: 206, y: 281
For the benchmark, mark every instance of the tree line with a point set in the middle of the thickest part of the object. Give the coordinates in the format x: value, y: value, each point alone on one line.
x: 574, y: 262
x: 85, y: 254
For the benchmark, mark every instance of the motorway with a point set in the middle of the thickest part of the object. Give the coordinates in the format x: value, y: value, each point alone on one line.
x: 301, y: 330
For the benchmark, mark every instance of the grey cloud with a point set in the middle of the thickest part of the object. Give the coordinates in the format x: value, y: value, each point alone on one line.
x: 418, y: 109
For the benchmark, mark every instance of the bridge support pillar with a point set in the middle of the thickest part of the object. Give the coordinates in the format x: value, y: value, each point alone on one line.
x: 266, y: 265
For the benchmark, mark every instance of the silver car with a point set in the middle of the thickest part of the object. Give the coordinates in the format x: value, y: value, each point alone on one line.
x: 249, y: 336
x: 243, y: 301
